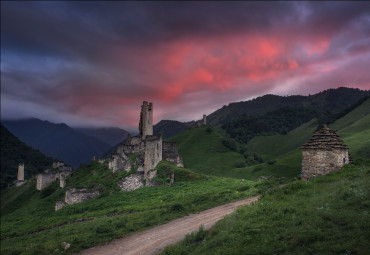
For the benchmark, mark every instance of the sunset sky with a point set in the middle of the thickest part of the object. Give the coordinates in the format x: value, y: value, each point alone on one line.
x: 93, y: 63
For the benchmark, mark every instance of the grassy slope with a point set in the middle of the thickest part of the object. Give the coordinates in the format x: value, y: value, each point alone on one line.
x: 328, y: 215
x: 204, y: 152
x: 117, y: 215
x: 355, y: 130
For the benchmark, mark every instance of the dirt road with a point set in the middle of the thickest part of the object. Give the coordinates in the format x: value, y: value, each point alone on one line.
x: 153, y: 241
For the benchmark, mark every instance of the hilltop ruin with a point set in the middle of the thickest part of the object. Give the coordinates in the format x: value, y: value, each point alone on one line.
x: 142, y: 153
x: 325, y: 152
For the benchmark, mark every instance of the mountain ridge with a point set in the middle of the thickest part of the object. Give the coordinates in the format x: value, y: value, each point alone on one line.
x: 57, y: 140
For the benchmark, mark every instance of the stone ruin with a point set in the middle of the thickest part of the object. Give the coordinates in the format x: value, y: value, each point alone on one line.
x: 198, y: 123
x: 20, y: 176
x: 325, y: 152
x: 59, y: 172
x: 203, y: 121
x: 139, y: 154
x: 142, y: 153
x: 76, y: 195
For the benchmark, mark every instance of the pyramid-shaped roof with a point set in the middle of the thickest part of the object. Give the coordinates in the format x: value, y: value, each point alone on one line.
x: 325, y: 139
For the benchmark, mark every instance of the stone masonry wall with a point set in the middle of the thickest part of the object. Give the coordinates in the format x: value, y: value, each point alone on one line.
x: 78, y: 195
x: 320, y: 162
x: 153, y: 152
x: 170, y: 153
x: 45, y: 179
x: 146, y: 120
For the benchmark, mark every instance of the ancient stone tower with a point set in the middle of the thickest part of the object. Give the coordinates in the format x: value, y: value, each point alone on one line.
x: 146, y: 120
x: 325, y: 152
x: 20, y: 176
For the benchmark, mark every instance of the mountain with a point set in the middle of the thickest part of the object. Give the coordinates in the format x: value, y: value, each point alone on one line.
x: 170, y: 128
x: 13, y: 152
x: 211, y: 150
x: 326, y: 103
x: 333, y: 100
x: 57, y: 140
x: 111, y: 135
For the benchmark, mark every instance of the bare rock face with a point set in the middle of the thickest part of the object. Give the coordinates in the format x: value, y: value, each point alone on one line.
x: 132, y: 182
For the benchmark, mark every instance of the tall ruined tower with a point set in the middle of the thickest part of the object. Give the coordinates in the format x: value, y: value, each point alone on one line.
x: 20, y: 176
x: 146, y: 120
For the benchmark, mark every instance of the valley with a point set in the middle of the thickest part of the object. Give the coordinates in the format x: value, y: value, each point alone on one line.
x: 218, y: 169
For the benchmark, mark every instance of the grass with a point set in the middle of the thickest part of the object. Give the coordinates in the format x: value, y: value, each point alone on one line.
x: 327, y: 215
x: 114, y: 215
x: 273, y: 146
x: 204, y: 151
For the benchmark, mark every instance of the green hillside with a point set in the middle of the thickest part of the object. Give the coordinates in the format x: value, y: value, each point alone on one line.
x: 355, y: 130
x: 328, y: 215
x: 203, y: 150
x: 13, y: 152
x: 29, y: 224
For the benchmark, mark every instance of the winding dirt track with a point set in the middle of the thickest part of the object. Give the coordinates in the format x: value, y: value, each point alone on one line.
x: 153, y: 241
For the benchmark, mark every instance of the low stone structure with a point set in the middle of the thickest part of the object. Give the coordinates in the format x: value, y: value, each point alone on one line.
x: 76, y: 195
x: 325, y: 152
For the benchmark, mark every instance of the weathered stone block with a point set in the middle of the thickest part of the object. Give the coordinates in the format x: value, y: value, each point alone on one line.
x: 132, y: 182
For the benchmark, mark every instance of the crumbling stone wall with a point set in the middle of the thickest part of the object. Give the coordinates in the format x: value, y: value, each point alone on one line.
x: 115, y: 163
x: 170, y: 153
x: 78, y: 195
x: 146, y: 120
x: 325, y: 152
x: 46, y: 178
x: 132, y: 182
x: 153, y: 152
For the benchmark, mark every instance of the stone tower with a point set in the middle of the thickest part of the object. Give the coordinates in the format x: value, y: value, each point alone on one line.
x: 325, y: 152
x: 146, y: 120
x: 20, y: 176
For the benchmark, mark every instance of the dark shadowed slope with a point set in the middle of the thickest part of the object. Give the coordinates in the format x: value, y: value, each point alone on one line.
x: 13, y: 152
x: 333, y: 100
x: 111, y: 135
x: 57, y: 140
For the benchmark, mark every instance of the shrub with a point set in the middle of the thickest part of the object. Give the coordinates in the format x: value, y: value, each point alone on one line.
x: 239, y: 164
x: 209, y: 130
x: 230, y: 143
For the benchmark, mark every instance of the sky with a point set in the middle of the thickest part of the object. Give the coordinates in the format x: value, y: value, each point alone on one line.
x: 93, y: 63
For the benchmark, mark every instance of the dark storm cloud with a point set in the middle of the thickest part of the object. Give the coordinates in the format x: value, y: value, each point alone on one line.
x: 85, y: 61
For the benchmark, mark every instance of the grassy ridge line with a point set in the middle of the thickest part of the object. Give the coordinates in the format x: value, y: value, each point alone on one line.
x: 357, y: 114
x: 328, y: 215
